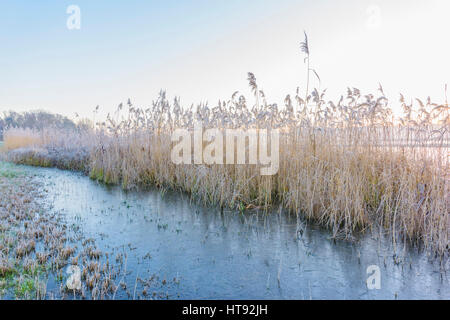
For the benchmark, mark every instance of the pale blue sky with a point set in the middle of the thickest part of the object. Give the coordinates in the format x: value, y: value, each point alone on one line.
x: 202, y: 50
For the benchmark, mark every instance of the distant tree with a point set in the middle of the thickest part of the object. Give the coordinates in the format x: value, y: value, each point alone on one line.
x: 38, y: 119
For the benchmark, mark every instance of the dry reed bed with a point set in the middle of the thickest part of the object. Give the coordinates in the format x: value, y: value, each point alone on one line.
x: 349, y: 166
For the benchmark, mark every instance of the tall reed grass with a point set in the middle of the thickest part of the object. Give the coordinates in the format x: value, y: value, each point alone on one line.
x: 348, y: 165
x: 21, y: 137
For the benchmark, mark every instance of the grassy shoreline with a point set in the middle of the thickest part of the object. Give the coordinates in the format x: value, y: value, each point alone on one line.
x: 38, y: 158
x: 21, y: 275
x: 340, y: 165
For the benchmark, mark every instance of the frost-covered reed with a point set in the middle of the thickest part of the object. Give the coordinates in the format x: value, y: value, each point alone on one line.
x: 347, y: 165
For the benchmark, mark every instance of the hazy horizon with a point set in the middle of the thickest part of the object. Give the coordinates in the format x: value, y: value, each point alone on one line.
x: 202, y: 50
